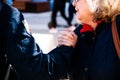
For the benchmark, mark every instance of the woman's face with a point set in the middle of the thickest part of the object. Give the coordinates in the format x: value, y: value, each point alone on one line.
x: 83, y: 12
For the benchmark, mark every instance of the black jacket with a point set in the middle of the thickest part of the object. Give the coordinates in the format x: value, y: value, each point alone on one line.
x: 24, y: 54
x: 94, y: 57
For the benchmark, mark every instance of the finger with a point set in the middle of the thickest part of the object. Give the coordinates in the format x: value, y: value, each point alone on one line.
x: 67, y: 43
x: 64, y: 34
x: 67, y: 38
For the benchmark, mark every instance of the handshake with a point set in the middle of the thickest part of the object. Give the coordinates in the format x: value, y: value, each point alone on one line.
x: 67, y: 37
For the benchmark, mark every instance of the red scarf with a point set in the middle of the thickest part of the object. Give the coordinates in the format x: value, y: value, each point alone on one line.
x: 88, y: 28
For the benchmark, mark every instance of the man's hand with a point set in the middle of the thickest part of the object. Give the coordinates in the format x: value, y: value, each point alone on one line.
x: 67, y: 38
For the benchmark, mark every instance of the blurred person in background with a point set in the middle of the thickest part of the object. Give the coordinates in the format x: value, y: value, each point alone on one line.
x: 58, y: 6
x: 71, y: 11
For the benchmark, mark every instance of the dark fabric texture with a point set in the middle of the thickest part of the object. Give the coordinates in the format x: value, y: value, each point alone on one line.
x: 24, y: 54
x: 95, y: 56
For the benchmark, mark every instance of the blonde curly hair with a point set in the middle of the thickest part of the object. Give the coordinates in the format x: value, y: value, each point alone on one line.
x: 105, y: 10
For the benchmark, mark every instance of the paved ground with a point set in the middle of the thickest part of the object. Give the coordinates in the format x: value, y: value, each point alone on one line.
x: 38, y: 23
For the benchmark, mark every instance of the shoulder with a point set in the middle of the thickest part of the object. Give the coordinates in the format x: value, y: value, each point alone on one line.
x: 10, y: 13
x: 118, y: 23
x: 16, y: 15
x: 77, y: 30
x: 118, y: 19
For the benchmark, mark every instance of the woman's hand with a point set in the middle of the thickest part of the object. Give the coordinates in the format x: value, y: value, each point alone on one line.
x: 67, y: 38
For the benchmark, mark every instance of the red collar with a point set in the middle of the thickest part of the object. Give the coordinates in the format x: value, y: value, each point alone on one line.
x: 88, y: 28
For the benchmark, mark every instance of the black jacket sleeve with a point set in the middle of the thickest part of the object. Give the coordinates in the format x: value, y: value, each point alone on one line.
x: 67, y: 0
x: 27, y: 57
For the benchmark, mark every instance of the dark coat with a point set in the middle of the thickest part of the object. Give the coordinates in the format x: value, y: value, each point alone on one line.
x: 95, y: 57
x: 24, y: 54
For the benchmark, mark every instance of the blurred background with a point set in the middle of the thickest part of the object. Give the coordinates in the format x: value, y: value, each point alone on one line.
x: 38, y: 15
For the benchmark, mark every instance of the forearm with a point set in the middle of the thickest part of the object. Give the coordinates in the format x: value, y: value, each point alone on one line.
x: 26, y: 56
x: 35, y: 63
x: 29, y: 61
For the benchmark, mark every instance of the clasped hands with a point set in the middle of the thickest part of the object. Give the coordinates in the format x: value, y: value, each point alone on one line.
x: 67, y: 37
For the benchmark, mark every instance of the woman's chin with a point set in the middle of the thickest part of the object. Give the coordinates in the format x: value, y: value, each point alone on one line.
x: 78, y: 20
